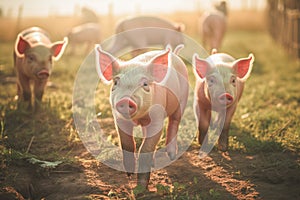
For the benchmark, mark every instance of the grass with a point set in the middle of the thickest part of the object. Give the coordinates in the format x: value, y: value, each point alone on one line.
x: 267, y: 119
x: 269, y: 110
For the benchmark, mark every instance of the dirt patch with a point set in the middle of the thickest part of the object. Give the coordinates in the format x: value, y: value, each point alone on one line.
x: 78, y: 175
x: 217, y: 176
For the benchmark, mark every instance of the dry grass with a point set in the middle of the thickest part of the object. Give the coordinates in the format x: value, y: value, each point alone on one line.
x: 59, y: 26
x: 247, y: 20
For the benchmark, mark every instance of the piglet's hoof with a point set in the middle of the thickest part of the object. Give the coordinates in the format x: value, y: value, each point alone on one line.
x: 129, y: 174
x: 222, y: 147
x: 172, y: 155
x: 139, y: 191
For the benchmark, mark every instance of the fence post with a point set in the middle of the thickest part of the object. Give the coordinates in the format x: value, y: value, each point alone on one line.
x: 284, y: 24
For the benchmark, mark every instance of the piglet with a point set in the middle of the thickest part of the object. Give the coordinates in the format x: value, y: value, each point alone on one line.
x: 146, y: 31
x: 213, y: 26
x: 219, y: 86
x: 88, y: 34
x: 33, y: 57
x: 145, y: 90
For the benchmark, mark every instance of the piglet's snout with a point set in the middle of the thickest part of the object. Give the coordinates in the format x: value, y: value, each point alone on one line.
x: 43, y: 74
x: 225, y: 99
x: 126, y: 107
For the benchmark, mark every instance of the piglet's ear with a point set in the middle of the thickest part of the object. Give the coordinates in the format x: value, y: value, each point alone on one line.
x: 58, y: 48
x: 21, y: 46
x: 243, y: 67
x: 106, y: 64
x: 159, y: 66
x: 201, y: 66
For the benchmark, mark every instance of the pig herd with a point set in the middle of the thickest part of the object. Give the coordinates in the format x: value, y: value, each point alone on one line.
x: 146, y: 89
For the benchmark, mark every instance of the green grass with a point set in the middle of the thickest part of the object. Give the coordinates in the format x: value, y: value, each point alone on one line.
x: 267, y: 118
x: 268, y: 114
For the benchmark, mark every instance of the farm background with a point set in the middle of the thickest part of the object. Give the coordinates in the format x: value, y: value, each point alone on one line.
x: 65, y: 15
x: 263, y: 160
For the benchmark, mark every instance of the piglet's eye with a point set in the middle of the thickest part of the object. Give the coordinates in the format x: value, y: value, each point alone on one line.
x: 31, y: 58
x: 233, y: 80
x: 145, y: 84
x: 116, y: 82
x: 211, y: 80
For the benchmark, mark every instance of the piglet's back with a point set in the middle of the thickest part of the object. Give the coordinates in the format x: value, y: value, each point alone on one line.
x: 35, y: 36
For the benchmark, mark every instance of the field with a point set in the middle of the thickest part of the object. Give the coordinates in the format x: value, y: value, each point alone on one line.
x: 262, y: 162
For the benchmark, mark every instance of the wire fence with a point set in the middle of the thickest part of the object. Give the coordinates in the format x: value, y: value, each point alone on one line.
x: 284, y: 24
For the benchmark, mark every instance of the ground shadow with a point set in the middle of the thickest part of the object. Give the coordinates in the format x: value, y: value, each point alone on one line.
x: 46, y: 137
x: 271, y: 172
x: 270, y: 168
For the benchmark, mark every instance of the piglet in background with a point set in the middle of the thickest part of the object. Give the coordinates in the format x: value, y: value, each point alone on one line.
x: 213, y: 25
x: 87, y: 34
x: 146, y: 31
x: 219, y: 85
x: 33, y: 59
x: 145, y: 90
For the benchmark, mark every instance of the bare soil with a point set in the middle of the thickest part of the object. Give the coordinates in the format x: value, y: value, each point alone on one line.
x: 231, y: 175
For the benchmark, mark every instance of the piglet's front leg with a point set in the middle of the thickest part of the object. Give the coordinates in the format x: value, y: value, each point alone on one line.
x: 128, y: 148
x: 146, y: 157
x: 171, y: 140
x: 39, y: 87
x: 223, y: 139
x: 203, y: 124
x: 24, y: 91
